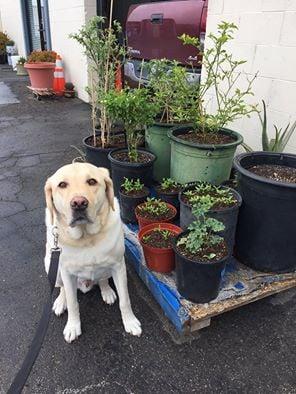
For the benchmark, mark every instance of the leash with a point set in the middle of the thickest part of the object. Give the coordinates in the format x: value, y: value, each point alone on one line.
x: 34, y: 349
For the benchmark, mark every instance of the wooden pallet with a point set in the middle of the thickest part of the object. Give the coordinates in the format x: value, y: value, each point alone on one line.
x: 41, y: 93
x: 240, y: 286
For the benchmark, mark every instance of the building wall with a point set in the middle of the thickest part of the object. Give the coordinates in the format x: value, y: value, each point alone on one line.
x: 67, y: 17
x: 12, y: 23
x: 266, y: 38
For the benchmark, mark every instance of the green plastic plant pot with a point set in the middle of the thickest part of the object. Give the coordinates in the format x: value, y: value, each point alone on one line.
x: 192, y: 162
x: 158, y: 142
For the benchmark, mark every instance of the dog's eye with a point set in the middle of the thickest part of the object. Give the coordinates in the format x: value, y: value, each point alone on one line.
x: 92, y: 182
x: 63, y: 185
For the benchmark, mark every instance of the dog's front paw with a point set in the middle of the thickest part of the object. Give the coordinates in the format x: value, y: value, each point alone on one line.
x: 132, y: 325
x: 108, y: 295
x: 60, y: 305
x: 72, y: 331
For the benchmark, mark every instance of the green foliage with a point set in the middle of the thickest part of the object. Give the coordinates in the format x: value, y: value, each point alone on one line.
x: 165, y: 234
x: 22, y: 60
x: 202, y: 232
x: 105, y: 54
x: 171, y: 89
x: 4, y: 39
x: 168, y: 183
x: 154, y: 207
x: 134, y: 108
x: 42, y: 57
x: 281, y: 139
x: 221, y: 72
x: 207, y: 195
x: 10, y: 43
x: 132, y: 185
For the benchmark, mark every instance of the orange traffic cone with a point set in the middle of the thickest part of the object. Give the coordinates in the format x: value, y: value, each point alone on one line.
x: 59, y: 79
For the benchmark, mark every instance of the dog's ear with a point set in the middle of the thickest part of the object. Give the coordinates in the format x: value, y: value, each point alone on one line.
x: 109, y: 186
x: 49, y: 199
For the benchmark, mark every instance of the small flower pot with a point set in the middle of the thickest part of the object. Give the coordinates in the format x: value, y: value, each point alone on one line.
x: 142, y: 221
x: 197, y: 281
x: 41, y: 74
x: 128, y: 204
x: 97, y: 155
x: 125, y: 169
x: 20, y: 69
x: 159, y: 259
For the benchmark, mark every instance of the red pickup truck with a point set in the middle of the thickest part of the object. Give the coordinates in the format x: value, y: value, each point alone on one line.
x: 152, y: 32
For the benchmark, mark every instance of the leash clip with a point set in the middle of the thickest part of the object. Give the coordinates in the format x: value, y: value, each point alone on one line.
x: 55, y: 234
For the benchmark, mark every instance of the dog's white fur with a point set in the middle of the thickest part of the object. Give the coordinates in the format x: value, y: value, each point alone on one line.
x: 92, y: 248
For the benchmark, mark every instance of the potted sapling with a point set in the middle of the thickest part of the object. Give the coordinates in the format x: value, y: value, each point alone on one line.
x: 173, y: 93
x: 105, y: 56
x: 155, y: 211
x: 20, y: 69
x: 168, y: 191
x: 201, y: 256
x: 204, y: 151
x: 157, y: 242
x: 131, y: 194
x: 135, y: 110
x: 4, y: 39
x: 222, y: 203
x: 40, y: 66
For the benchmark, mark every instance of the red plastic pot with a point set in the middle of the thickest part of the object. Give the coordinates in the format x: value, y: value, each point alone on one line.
x: 41, y: 74
x: 159, y: 259
x: 144, y: 221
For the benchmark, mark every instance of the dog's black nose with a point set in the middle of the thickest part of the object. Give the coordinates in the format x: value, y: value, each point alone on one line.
x: 79, y: 203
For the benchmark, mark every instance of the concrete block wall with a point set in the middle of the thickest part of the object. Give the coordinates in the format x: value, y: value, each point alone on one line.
x: 67, y: 17
x: 266, y: 38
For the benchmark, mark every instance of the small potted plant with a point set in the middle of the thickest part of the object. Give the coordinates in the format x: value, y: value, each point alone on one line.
x: 173, y: 93
x: 222, y: 203
x: 155, y: 211
x: 157, y: 242
x: 204, y: 151
x: 105, y: 56
x: 69, y: 91
x: 168, y: 191
x: 40, y: 66
x: 131, y: 194
x: 4, y: 39
x: 20, y: 69
x: 135, y: 110
x: 201, y: 256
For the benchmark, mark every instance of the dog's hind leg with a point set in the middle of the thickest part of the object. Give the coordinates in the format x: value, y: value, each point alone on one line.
x: 60, y: 304
x: 108, y: 294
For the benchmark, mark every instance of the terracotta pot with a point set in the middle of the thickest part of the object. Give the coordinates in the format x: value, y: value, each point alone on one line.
x: 159, y: 259
x: 41, y: 74
x: 144, y: 221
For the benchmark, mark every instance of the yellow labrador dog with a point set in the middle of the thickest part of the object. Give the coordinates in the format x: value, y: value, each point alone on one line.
x: 81, y: 204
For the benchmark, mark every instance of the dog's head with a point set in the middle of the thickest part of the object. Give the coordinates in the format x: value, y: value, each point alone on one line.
x: 77, y: 192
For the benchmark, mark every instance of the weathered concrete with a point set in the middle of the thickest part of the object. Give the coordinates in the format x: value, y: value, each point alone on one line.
x: 249, y: 350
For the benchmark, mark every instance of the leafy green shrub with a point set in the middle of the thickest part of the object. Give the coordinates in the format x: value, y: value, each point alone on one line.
x: 202, y: 232
x: 132, y: 185
x: 4, y: 39
x: 42, y: 57
x: 134, y: 108
x: 169, y: 183
x: 22, y: 60
x: 208, y: 195
x: 221, y: 72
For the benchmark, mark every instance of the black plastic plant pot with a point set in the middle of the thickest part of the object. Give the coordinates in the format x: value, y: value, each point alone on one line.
x: 169, y: 197
x: 228, y: 216
x: 128, y: 205
x: 198, y: 282
x: 96, y: 155
x: 266, y: 227
x: 130, y: 170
